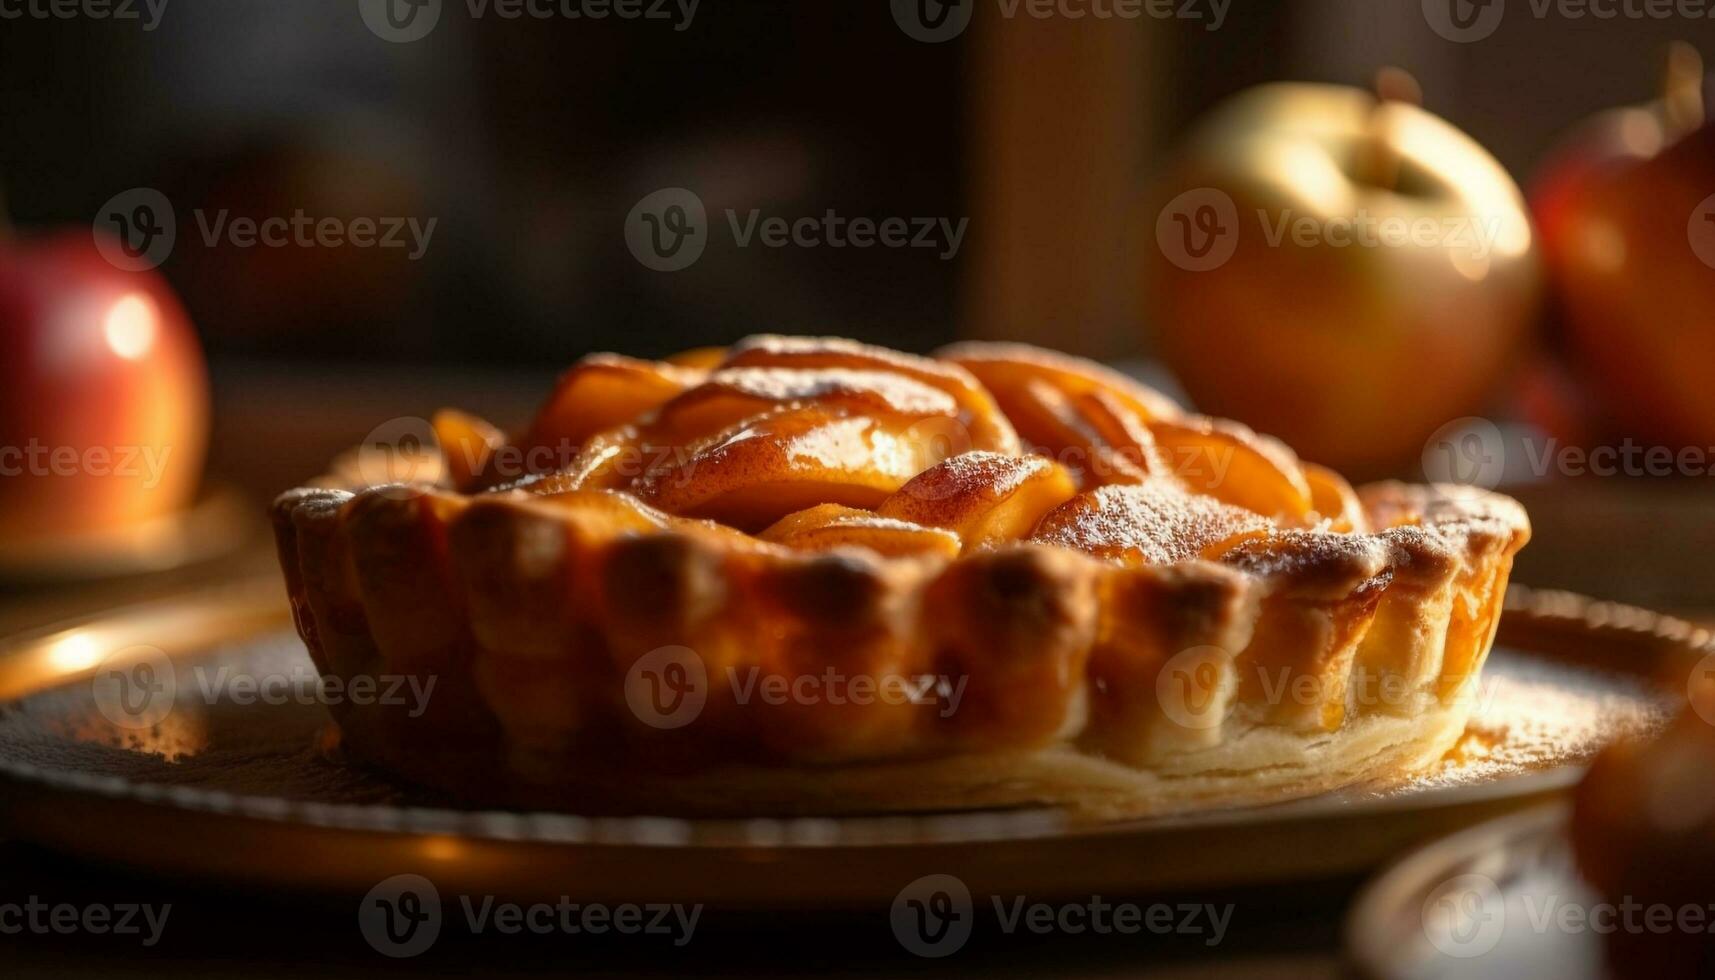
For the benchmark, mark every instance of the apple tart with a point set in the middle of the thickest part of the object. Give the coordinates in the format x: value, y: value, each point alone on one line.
x: 807, y: 575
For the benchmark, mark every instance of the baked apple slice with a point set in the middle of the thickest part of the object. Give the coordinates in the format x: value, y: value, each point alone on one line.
x: 467, y: 444
x: 605, y: 513
x: 1052, y: 423
x: 604, y: 391
x: 731, y: 395
x: 984, y: 498
x: 1334, y: 500
x: 1120, y: 427
x: 832, y: 526
x: 700, y: 358
x: 1229, y: 462
x: 762, y: 469
x: 1154, y: 523
x: 1006, y: 368
x: 979, y: 413
x: 609, y: 460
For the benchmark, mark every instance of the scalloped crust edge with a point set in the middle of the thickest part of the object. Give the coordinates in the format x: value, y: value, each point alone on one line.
x: 380, y: 584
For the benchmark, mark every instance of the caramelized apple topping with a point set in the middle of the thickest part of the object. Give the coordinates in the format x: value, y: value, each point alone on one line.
x: 1056, y: 551
x: 832, y: 526
x: 984, y: 498
x: 603, y: 391
x: 820, y: 443
x: 1155, y: 523
x: 467, y: 445
x: 989, y: 427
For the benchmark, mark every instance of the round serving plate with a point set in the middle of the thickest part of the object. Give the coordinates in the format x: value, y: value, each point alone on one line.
x: 235, y: 782
x: 1482, y: 904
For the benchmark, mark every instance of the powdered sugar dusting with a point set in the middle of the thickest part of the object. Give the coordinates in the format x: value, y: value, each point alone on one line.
x: 1532, y: 714
x: 1155, y: 522
x: 895, y: 392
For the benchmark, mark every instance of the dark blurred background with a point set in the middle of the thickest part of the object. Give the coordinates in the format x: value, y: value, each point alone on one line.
x: 519, y: 148
x: 529, y: 141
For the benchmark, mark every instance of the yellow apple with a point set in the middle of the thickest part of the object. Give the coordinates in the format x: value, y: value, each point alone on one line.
x: 1346, y: 271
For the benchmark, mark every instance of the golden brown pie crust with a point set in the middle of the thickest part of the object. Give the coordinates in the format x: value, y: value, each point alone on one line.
x: 1174, y: 652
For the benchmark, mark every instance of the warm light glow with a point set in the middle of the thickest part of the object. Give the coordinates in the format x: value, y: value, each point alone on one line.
x: 131, y: 326
x: 1457, y: 161
x: 1310, y: 172
x: 1603, y: 246
x: 1469, y: 264
x: 1640, y: 134
x: 443, y: 848
x: 74, y: 652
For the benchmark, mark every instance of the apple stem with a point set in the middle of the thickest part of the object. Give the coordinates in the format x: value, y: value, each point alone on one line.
x: 1682, y: 88
x: 1392, y: 85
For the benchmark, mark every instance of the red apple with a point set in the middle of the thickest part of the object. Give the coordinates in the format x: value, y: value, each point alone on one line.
x: 1545, y: 396
x: 1624, y: 206
x: 1345, y: 271
x: 103, y: 392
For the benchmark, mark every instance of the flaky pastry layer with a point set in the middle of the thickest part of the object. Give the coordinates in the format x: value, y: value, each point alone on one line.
x: 582, y: 662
